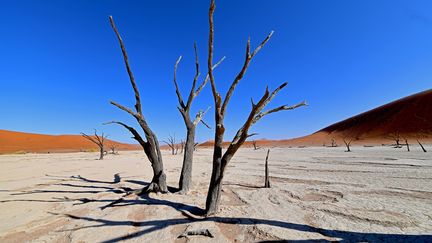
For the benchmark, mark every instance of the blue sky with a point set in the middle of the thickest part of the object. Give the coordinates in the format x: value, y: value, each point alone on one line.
x: 60, y: 62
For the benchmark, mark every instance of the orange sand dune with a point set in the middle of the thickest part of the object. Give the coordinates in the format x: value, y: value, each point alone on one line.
x: 20, y: 142
x: 411, y: 117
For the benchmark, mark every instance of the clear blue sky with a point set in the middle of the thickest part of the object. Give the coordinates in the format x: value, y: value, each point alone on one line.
x: 60, y: 62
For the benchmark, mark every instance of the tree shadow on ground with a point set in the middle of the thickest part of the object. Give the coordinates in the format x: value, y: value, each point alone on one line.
x: 342, y: 236
x: 187, y: 210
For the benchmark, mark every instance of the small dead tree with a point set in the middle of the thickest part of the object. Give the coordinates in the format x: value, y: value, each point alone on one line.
x: 267, y: 180
x: 407, y: 144
x: 184, y: 108
x: 347, y: 141
x: 220, y: 159
x: 254, y: 143
x: 151, y: 144
x: 395, y: 136
x: 113, y: 148
x: 99, y: 140
x: 196, y: 146
x: 333, y: 142
x: 172, y: 144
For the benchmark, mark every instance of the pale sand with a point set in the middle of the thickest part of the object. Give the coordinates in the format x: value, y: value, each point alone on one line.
x: 374, y: 194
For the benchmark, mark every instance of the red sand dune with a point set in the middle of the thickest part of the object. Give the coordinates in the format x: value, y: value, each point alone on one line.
x: 20, y: 142
x: 411, y: 117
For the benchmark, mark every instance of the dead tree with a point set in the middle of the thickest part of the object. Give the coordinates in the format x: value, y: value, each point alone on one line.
x: 184, y: 108
x: 254, y: 143
x: 220, y: 159
x: 113, y: 148
x: 196, y: 146
x: 267, y: 180
x: 395, y: 136
x: 333, y: 142
x: 407, y: 144
x: 421, y: 145
x: 172, y: 144
x: 99, y: 140
x: 347, y: 142
x: 151, y: 144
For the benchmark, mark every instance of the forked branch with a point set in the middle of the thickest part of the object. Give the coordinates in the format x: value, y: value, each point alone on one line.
x: 248, y: 58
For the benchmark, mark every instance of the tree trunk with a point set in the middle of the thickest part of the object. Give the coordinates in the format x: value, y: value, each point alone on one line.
x: 186, y: 172
x: 407, y: 144
x: 101, y: 156
x: 158, y: 183
x: 267, y: 180
x: 215, y: 187
x: 152, y: 150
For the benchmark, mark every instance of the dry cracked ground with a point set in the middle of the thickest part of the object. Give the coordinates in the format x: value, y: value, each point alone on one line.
x: 318, y: 194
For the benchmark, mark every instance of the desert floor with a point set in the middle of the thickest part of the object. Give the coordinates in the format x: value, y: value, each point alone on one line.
x: 372, y: 194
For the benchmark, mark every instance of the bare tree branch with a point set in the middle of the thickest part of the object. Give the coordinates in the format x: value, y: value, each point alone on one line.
x: 126, y: 60
x: 280, y: 108
x: 90, y: 138
x: 132, y: 130
x: 124, y: 108
x: 192, y: 93
x: 207, y: 77
x: 205, y: 124
x: 199, y: 116
x: 216, y: 96
x: 248, y: 58
x: 179, y: 96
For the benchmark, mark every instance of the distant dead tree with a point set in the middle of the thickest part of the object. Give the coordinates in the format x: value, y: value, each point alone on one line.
x: 407, y: 144
x: 99, y: 140
x: 184, y: 108
x: 395, y: 136
x: 151, y: 144
x: 267, y: 180
x: 196, y: 146
x: 254, y: 143
x: 172, y: 144
x: 113, y: 148
x: 347, y: 141
x: 333, y: 142
x: 220, y: 159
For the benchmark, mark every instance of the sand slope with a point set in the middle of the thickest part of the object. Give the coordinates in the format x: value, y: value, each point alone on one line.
x: 20, y: 142
x: 411, y: 117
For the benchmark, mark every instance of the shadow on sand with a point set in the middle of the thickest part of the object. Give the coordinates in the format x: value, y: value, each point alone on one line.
x: 187, y: 210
